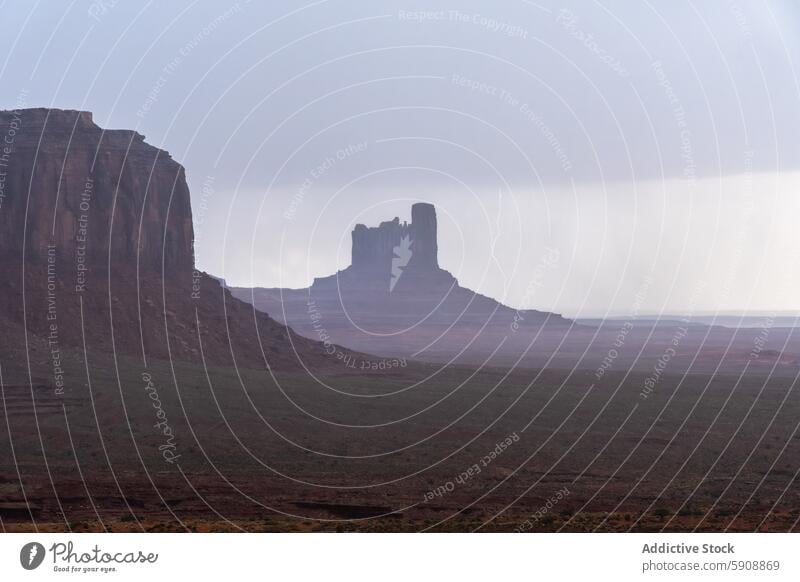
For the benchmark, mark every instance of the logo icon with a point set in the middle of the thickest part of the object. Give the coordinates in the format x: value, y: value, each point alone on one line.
x: 31, y: 555
x: 401, y: 256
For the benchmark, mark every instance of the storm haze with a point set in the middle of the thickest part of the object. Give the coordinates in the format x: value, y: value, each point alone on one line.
x: 652, y: 147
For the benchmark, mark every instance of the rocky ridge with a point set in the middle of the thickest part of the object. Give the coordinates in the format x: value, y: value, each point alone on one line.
x: 96, y: 242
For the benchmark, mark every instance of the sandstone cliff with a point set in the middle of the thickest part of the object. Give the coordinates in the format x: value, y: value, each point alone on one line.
x: 96, y: 246
x: 90, y: 196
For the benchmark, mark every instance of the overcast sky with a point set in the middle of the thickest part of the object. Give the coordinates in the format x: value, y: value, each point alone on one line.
x: 651, y: 148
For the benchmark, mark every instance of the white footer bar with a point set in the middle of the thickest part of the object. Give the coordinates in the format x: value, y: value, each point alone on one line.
x: 401, y: 557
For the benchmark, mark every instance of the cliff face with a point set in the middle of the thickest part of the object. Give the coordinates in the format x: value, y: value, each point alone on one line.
x: 90, y: 196
x: 96, y: 249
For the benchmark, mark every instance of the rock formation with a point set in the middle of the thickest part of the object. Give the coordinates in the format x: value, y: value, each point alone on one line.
x: 395, y: 300
x: 373, y: 248
x: 90, y: 195
x: 392, y: 257
x: 96, y: 245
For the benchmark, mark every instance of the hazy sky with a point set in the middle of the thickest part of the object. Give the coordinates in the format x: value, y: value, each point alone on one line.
x: 585, y: 157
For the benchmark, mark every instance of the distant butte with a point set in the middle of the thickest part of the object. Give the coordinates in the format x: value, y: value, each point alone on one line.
x: 395, y: 300
x: 376, y: 263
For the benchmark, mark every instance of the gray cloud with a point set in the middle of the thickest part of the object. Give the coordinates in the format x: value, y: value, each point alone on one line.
x: 294, y: 122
